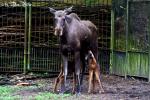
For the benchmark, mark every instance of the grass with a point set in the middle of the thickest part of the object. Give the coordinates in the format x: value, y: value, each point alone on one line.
x: 50, y: 96
x: 10, y: 93
x: 7, y: 91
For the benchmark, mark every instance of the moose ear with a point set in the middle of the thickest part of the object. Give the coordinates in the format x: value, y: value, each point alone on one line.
x: 68, y: 18
x: 52, y: 10
x: 68, y: 10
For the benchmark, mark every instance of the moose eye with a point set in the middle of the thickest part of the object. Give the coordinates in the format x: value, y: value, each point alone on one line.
x: 62, y: 21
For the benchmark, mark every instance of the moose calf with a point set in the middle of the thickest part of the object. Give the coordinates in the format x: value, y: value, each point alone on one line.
x: 93, y: 69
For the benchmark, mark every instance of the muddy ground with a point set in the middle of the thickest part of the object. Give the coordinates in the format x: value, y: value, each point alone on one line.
x: 116, y: 87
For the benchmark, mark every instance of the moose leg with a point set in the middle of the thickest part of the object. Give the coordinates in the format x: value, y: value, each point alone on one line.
x: 65, y: 72
x: 77, y: 71
x: 90, y: 80
x: 84, y: 64
x: 74, y: 83
x: 97, y: 73
x: 94, y: 81
x: 58, y: 80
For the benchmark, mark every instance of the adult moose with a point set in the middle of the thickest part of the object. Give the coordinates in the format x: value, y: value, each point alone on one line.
x: 77, y: 36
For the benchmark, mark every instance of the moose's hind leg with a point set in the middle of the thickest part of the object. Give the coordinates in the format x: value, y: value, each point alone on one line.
x: 74, y: 83
x: 77, y: 72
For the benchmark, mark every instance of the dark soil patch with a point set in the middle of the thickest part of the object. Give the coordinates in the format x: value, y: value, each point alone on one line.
x: 116, y: 88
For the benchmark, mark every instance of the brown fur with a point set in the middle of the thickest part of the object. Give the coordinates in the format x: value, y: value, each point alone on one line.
x: 93, y: 69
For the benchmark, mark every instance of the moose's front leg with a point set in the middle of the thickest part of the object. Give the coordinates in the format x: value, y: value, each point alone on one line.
x: 77, y: 71
x: 65, y: 72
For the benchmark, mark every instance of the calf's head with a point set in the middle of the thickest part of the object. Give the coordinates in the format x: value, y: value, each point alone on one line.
x: 90, y: 58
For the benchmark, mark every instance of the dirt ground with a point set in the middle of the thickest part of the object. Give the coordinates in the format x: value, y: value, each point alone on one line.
x: 115, y: 87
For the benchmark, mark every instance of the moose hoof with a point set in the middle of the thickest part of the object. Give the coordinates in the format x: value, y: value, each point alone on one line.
x: 78, y: 94
x: 102, y: 91
x: 61, y: 92
x: 55, y: 91
x: 73, y: 92
x: 89, y: 92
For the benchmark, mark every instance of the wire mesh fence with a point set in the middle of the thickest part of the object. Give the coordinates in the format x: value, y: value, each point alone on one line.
x: 12, y: 35
x: 45, y: 54
x: 26, y: 33
x: 131, y: 38
x: 139, y: 25
x: 138, y: 38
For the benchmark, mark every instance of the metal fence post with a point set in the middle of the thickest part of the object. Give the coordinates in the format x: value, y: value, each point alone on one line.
x: 25, y: 39
x: 29, y: 36
x: 149, y: 51
x: 127, y: 31
x: 112, y: 40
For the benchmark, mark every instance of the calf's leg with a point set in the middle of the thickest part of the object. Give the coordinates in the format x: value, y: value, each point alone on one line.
x: 58, y: 80
x: 90, y: 80
x: 97, y: 73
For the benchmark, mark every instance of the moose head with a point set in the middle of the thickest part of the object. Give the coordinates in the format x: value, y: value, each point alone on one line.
x: 59, y: 19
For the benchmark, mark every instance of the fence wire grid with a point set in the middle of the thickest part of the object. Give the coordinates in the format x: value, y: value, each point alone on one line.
x: 27, y: 42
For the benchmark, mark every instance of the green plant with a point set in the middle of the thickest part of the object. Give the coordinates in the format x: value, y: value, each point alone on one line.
x: 50, y: 96
x: 6, y: 91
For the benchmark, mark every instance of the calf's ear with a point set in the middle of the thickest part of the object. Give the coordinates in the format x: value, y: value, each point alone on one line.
x: 52, y: 10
